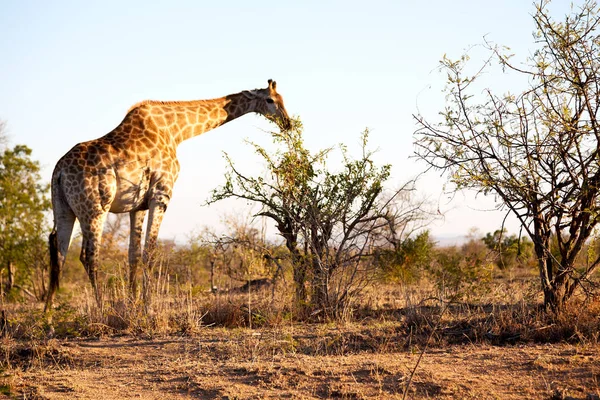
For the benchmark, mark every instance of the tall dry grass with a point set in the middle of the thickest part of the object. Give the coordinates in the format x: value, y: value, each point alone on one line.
x: 388, y: 317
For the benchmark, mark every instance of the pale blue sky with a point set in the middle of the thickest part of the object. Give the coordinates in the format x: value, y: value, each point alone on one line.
x: 69, y: 70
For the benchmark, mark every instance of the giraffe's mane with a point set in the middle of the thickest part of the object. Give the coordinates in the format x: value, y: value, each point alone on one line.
x: 247, y: 93
x: 187, y: 102
x: 165, y: 103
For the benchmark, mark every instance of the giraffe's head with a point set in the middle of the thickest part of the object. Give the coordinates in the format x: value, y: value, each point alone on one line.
x: 270, y: 104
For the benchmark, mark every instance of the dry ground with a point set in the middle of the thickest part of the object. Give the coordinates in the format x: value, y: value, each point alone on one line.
x: 289, y: 363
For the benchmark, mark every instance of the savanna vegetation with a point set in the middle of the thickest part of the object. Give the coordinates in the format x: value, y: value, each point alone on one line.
x: 537, y: 150
x: 336, y: 262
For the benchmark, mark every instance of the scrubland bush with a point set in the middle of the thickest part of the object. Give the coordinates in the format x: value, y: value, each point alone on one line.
x: 509, y: 250
x: 407, y: 261
x: 332, y: 219
x: 461, y: 272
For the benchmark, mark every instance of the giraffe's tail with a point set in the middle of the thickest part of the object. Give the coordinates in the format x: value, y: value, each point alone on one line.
x: 54, y: 265
x: 54, y: 268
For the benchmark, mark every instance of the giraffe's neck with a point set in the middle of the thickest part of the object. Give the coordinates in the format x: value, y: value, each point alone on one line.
x: 186, y: 119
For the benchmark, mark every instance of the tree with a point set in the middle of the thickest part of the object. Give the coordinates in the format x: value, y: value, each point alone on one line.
x: 330, y: 221
x: 537, y: 151
x: 23, y: 201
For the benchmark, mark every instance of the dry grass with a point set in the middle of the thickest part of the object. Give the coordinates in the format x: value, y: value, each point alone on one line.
x: 405, y: 315
x: 251, y: 345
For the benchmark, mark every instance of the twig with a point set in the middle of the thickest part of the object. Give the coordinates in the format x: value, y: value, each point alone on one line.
x: 412, y: 373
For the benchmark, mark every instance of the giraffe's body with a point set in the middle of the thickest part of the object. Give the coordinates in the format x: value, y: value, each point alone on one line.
x: 132, y: 169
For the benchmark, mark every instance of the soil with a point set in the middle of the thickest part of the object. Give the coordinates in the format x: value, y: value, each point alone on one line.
x: 253, y: 364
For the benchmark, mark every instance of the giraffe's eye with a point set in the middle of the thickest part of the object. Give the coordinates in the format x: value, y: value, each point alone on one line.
x: 270, y: 100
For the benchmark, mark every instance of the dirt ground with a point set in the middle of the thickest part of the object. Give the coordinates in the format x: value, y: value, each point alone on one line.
x: 253, y: 364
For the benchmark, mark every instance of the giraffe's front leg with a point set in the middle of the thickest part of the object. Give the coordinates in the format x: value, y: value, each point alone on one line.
x: 156, y: 213
x: 157, y: 207
x: 135, y: 247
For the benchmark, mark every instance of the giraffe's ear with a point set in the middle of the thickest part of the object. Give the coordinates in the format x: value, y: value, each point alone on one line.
x: 272, y: 84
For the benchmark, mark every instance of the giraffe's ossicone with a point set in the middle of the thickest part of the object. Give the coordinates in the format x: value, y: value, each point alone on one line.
x: 132, y: 169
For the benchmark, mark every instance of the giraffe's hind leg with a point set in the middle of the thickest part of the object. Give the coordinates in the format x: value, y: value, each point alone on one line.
x: 59, y: 241
x: 91, y: 229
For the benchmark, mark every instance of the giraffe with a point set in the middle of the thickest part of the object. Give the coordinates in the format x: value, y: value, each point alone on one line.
x: 132, y: 170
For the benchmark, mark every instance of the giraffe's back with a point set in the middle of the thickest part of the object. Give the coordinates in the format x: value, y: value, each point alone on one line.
x: 114, y: 171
